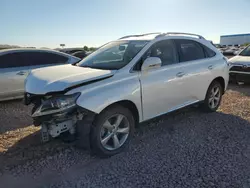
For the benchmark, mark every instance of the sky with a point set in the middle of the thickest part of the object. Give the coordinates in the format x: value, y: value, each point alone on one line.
x: 76, y: 23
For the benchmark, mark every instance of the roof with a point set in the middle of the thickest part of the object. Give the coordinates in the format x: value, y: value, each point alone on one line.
x: 143, y: 37
x: 152, y: 36
x: 27, y: 49
x: 236, y: 35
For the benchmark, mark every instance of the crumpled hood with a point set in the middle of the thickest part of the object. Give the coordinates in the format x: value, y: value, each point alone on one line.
x: 240, y: 60
x: 59, y: 78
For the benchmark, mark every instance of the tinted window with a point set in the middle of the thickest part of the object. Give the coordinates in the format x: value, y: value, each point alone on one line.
x: 165, y: 50
x: 10, y: 60
x: 21, y: 59
x: 208, y: 51
x: 43, y: 58
x: 189, y: 50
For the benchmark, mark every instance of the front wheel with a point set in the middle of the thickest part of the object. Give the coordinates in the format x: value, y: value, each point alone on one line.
x: 213, y: 97
x: 112, y: 131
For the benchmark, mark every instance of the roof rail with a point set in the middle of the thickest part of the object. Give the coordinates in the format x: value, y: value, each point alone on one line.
x: 177, y: 33
x: 140, y: 35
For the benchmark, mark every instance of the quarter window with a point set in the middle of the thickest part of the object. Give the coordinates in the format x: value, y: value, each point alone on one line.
x: 189, y: 50
x: 209, y: 52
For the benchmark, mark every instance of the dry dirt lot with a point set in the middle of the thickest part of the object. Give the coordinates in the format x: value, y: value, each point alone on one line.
x: 187, y: 148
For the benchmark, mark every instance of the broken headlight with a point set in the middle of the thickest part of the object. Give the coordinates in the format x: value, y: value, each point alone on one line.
x: 56, y: 104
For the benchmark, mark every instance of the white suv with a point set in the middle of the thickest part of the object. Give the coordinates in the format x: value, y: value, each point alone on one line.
x: 125, y: 82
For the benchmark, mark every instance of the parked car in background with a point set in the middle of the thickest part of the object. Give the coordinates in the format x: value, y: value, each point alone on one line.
x: 230, y: 51
x: 240, y: 66
x: 125, y: 82
x: 71, y: 50
x: 80, y: 54
x: 15, y: 65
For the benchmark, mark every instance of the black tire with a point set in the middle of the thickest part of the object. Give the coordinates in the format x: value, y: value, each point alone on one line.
x: 206, y: 106
x: 95, y: 139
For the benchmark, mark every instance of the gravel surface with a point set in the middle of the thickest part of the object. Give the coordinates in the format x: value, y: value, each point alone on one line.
x: 187, y: 148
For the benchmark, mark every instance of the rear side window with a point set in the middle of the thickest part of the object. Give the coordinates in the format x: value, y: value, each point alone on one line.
x: 189, y: 50
x: 51, y: 58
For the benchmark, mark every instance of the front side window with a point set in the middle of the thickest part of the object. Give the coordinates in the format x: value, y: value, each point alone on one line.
x: 51, y: 58
x: 43, y: 58
x: 245, y: 52
x: 114, y: 55
x: 165, y: 50
x: 189, y: 50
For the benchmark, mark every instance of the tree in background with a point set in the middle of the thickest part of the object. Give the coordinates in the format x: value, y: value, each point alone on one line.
x: 86, y: 48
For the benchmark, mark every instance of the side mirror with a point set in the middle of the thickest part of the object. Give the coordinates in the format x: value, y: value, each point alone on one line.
x: 151, y: 63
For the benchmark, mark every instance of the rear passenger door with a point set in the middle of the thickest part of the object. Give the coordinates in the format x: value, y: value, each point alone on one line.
x: 196, y: 62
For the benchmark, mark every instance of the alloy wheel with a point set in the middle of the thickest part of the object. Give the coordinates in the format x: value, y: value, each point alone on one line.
x: 114, y: 132
x: 215, y: 96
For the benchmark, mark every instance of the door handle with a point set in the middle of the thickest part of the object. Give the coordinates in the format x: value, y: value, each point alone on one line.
x: 180, y: 74
x: 21, y: 73
x: 210, y: 67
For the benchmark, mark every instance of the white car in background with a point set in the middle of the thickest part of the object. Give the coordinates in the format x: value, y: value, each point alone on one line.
x: 230, y: 51
x: 240, y: 66
x: 16, y: 64
x: 125, y: 82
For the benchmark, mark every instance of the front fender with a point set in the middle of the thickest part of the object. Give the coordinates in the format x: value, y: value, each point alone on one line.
x: 106, y: 93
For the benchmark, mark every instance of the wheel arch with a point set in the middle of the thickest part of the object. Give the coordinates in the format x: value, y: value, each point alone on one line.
x: 221, y: 80
x: 129, y: 105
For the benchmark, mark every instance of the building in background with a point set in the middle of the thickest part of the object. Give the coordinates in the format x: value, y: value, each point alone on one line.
x: 233, y: 40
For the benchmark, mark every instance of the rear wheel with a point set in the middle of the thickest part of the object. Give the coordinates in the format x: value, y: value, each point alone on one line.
x: 112, y: 131
x: 213, y: 97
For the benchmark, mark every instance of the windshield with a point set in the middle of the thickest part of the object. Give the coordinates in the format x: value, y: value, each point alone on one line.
x: 113, y: 55
x: 245, y: 52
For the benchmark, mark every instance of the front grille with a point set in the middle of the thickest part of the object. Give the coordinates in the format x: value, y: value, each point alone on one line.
x: 241, y: 68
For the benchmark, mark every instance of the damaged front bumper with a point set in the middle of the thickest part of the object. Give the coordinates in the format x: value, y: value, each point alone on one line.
x: 54, y: 124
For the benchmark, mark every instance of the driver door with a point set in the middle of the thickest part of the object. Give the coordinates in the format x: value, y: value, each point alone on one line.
x: 162, y: 88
